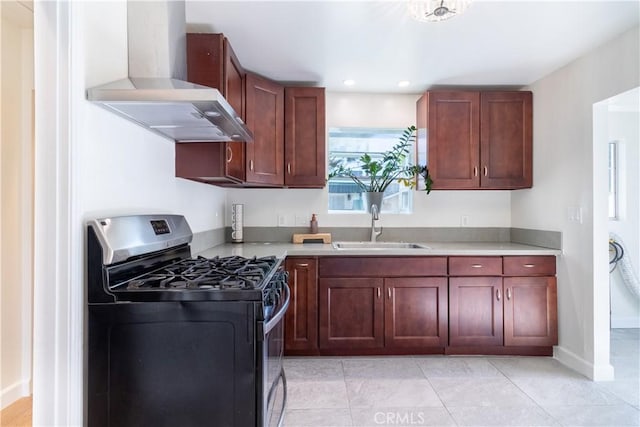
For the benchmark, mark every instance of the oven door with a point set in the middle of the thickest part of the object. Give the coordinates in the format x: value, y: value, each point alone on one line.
x: 274, y: 383
x: 167, y: 364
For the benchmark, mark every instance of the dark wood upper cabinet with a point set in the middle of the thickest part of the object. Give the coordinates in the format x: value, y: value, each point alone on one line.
x: 212, y: 62
x: 261, y: 104
x: 452, y: 138
x: 506, y: 139
x: 474, y: 140
x: 265, y: 117
x: 304, y: 143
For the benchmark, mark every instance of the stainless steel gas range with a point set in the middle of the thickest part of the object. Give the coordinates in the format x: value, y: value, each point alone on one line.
x: 180, y: 341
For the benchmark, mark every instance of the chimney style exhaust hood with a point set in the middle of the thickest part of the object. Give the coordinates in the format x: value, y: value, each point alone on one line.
x: 154, y: 95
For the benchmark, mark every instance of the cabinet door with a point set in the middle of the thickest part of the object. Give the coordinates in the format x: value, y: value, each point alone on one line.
x: 211, y: 62
x: 415, y: 312
x: 304, y: 109
x: 301, y: 319
x: 351, y: 313
x: 205, y: 65
x: 453, y: 138
x: 506, y: 140
x: 234, y: 94
x: 475, y: 311
x: 264, y: 114
x: 530, y: 311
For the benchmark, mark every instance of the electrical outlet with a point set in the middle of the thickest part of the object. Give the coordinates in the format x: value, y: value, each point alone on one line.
x: 282, y: 220
x: 464, y: 220
x: 302, y: 220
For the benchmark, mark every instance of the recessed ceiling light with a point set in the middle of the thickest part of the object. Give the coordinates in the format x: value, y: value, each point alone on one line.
x: 403, y: 83
x: 349, y: 82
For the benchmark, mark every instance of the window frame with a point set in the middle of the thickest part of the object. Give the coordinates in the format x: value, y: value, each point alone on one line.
x: 395, y: 190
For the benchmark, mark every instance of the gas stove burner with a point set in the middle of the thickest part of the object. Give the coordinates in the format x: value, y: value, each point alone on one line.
x: 180, y: 284
x: 218, y: 273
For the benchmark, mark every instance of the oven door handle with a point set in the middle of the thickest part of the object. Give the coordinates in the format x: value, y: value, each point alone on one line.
x: 284, y: 398
x: 280, y: 313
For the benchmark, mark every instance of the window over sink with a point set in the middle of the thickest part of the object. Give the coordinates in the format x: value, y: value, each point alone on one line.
x: 346, y: 145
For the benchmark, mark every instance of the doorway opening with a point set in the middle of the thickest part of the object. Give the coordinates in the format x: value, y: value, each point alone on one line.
x: 16, y: 193
x: 617, y: 220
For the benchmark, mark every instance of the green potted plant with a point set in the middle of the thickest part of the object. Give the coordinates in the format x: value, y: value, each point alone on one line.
x: 374, y: 176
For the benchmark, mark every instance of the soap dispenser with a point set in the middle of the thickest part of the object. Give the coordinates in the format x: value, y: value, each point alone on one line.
x: 313, y: 225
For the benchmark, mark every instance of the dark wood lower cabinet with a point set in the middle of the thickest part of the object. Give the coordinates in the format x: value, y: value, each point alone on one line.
x: 415, y: 312
x: 351, y: 313
x: 475, y: 311
x: 492, y: 311
x: 381, y: 305
x: 301, y: 319
x: 530, y: 311
x: 399, y: 312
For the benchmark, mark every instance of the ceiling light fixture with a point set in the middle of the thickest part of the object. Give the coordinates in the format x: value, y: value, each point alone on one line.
x: 403, y: 83
x: 436, y: 10
x: 349, y: 82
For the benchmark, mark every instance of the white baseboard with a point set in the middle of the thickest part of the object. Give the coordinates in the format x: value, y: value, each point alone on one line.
x: 625, y: 322
x: 14, y: 392
x: 578, y: 364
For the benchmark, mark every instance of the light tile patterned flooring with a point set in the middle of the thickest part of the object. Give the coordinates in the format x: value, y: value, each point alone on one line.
x: 462, y: 391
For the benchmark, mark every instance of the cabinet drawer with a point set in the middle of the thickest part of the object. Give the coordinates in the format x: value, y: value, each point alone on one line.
x: 382, y: 266
x: 530, y: 265
x: 475, y: 266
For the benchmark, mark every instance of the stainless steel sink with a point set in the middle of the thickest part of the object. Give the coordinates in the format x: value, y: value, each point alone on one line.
x: 377, y: 245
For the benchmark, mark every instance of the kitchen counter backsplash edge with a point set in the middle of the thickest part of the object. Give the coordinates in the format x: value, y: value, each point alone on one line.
x: 441, y: 247
x: 204, y: 240
x: 543, y: 238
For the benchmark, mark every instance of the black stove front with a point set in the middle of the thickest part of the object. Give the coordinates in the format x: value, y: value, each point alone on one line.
x: 175, y: 340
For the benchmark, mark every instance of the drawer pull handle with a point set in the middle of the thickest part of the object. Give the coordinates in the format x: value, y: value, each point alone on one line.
x: 378, y: 289
x: 289, y: 168
x: 476, y: 265
x: 498, y: 294
x: 529, y: 265
x: 508, y: 293
x: 251, y: 165
x: 229, y: 154
x: 389, y: 292
x: 302, y: 265
x: 475, y: 171
x: 485, y: 171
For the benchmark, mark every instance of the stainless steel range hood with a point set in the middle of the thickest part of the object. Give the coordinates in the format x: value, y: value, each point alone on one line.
x: 155, y: 96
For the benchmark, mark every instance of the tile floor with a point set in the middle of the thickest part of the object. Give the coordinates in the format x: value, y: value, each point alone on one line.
x: 462, y: 391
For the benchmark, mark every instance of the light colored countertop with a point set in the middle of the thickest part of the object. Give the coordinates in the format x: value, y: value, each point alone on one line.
x: 282, y: 250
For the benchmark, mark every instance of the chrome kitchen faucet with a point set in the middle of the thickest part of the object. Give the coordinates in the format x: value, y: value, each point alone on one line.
x: 374, y: 218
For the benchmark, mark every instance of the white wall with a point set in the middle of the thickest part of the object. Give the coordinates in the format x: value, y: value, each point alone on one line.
x: 564, y: 177
x: 624, y: 127
x: 123, y: 168
x: 438, y: 209
x: 17, y: 192
x: 89, y: 163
